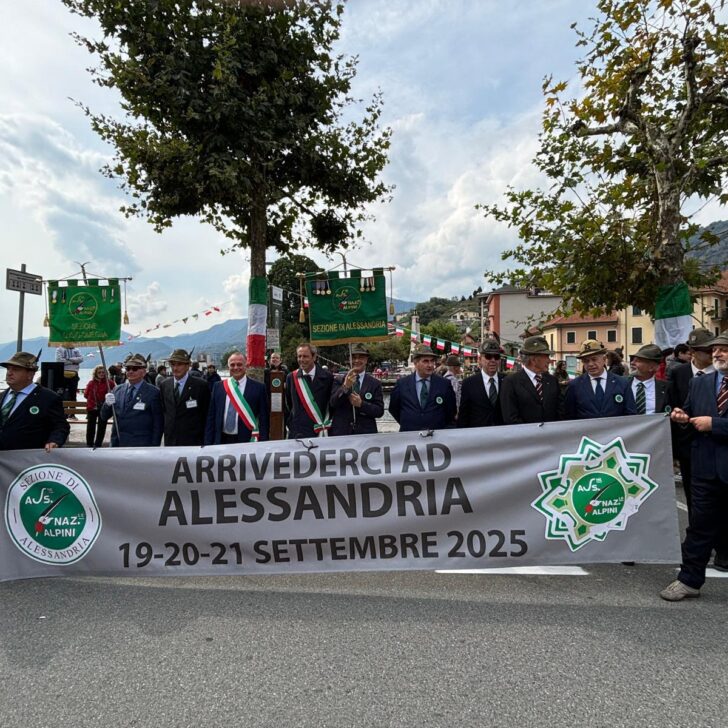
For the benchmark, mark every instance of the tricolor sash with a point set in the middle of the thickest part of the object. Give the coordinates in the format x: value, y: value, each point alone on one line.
x: 237, y: 400
x: 305, y: 395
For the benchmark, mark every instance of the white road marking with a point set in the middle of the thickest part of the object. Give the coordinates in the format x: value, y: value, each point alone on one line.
x: 682, y: 506
x: 523, y: 570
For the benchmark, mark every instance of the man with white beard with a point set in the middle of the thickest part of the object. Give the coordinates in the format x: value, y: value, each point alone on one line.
x: 705, y: 410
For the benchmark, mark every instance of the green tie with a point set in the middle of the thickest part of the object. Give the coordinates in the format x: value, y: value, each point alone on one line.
x: 356, y: 388
x: 8, y: 406
x: 641, y: 399
x: 176, y: 392
x: 423, y: 393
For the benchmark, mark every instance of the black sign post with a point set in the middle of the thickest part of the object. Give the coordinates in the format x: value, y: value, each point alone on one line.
x: 22, y: 282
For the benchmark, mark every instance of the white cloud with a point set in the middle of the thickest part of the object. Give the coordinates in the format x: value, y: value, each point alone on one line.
x: 147, y: 305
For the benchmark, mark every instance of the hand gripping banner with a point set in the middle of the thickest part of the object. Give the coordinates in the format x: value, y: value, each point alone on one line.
x: 579, y: 492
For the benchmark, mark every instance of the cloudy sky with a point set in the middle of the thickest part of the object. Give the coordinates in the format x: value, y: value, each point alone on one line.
x: 461, y: 81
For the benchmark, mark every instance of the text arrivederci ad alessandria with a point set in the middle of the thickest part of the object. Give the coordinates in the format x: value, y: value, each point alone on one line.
x: 343, y: 504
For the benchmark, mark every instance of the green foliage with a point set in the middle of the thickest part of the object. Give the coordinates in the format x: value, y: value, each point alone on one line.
x: 291, y: 336
x: 394, y: 349
x: 442, y: 330
x: 649, y: 133
x: 233, y: 113
x: 283, y: 273
x: 433, y: 309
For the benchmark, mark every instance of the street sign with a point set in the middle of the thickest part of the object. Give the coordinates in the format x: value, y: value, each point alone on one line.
x: 22, y: 282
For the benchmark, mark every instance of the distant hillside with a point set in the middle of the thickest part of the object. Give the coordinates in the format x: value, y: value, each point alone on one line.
x: 717, y: 254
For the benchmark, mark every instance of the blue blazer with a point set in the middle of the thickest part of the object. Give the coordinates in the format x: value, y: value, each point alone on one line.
x: 136, y: 427
x: 256, y: 397
x: 437, y: 414
x: 580, y: 403
x: 709, y: 449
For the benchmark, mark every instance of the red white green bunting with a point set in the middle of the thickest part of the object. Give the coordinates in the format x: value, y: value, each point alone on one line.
x: 305, y: 395
x: 237, y: 400
x: 427, y: 340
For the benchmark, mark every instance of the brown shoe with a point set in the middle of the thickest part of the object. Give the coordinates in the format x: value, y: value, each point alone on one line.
x: 677, y: 591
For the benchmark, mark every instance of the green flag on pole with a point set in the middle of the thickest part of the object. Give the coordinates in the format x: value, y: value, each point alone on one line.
x: 345, y: 310
x: 84, y: 314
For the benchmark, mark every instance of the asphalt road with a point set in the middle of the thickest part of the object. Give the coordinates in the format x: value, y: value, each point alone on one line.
x: 399, y: 649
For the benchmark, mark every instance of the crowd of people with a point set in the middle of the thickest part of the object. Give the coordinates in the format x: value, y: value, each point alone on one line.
x: 181, y: 406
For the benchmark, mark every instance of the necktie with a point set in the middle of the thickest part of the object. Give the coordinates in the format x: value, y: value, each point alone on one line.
x: 539, y: 386
x: 130, y: 396
x: 356, y: 388
x: 8, y: 406
x: 599, y: 393
x: 723, y: 396
x: 231, y: 419
x: 176, y: 392
x: 699, y: 374
x: 641, y: 399
x: 424, y: 392
x: 492, y: 391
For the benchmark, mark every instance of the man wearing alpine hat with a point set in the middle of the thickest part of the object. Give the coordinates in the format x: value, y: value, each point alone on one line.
x: 480, y: 393
x: 185, y: 401
x: 423, y: 400
x: 137, y: 408
x: 31, y: 416
x: 705, y: 411
x: 597, y: 393
x: 650, y: 394
x: 532, y: 394
x: 356, y: 398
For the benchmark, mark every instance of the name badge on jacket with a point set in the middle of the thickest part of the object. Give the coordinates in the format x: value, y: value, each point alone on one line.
x: 191, y: 403
x: 140, y: 406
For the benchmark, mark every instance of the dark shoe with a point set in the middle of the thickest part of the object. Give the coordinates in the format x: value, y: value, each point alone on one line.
x: 720, y: 563
x: 677, y: 591
x: 628, y: 563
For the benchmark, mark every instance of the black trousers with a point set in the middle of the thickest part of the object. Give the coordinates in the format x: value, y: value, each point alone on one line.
x: 70, y: 388
x: 95, y: 429
x: 706, y: 530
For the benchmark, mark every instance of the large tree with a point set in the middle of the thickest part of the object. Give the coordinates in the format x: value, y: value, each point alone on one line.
x: 233, y: 113
x: 645, y: 140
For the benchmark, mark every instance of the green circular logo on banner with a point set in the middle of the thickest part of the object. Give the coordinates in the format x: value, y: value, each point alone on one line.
x: 82, y: 306
x: 51, y: 514
x: 276, y: 382
x: 598, y: 497
x: 347, y: 299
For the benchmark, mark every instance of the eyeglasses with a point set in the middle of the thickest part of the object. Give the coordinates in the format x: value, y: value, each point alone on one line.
x: 133, y: 369
x: 490, y: 356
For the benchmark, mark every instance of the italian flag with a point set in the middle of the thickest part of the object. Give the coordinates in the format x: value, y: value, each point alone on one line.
x: 427, y: 340
x: 673, y: 315
x: 399, y: 331
x: 257, y: 319
x: 440, y: 345
x: 454, y: 348
x: 414, y: 336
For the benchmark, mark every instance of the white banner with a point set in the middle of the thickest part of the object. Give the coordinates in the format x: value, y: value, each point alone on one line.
x: 559, y: 493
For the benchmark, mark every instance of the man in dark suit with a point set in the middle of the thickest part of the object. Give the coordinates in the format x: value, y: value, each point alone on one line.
x: 185, y: 401
x: 423, y: 400
x: 356, y: 398
x: 678, y: 382
x: 480, y: 393
x: 308, y: 391
x: 650, y: 394
x: 239, y: 407
x: 137, y: 408
x: 597, y: 393
x: 706, y: 411
x: 532, y: 394
x: 31, y: 416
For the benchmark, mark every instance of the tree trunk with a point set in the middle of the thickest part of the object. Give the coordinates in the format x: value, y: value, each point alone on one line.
x: 669, y: 253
